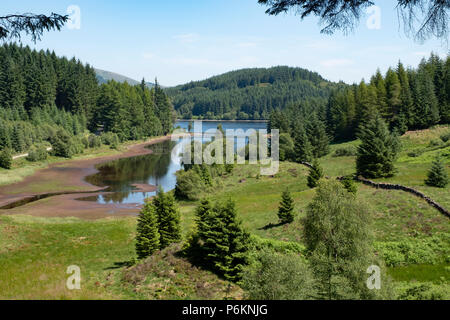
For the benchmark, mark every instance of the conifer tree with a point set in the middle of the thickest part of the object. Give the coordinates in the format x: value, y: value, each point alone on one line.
x: 168, y: 218
x: 405, y: 95
x: 426, y: 111
x: 437, y: 176
x: 302, y: 146
x: 315, y: 174
x: 6, y: 158
x: 223, y: 243
x: 286, y: 208
x: 379, y: 84
x: 378, y: 150
x: 318, y: 137
x: 147, y: 238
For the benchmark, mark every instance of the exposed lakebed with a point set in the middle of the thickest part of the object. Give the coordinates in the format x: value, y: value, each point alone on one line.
x: 132, y: 180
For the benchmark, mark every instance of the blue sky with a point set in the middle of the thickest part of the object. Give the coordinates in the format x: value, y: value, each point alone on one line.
x: 179, y: 40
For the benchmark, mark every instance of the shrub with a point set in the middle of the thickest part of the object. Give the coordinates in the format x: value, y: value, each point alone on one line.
x: 349, y: 184
x: 61, y: 144
x: 349, y: 151
x: 94, y: 141
x: 424, y: 291
x: 285, y: 247
x: 189, y: 185
x: 274, y: 276
x: 432, y: 250
x: 110, y: 139
x: 6, y: 159
x: 37, y: 153
x: 445, y: 137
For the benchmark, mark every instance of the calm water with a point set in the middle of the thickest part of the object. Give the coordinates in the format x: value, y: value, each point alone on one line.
x: 157, y: 169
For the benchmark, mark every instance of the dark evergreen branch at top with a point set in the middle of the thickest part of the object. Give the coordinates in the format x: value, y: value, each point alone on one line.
x: 11, y: 26
x: 423, y: 18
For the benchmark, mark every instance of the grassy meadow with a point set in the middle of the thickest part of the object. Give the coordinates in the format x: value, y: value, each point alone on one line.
x: 412, y: 237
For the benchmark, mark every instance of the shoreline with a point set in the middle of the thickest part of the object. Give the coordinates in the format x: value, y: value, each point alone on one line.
x: 69, y: 176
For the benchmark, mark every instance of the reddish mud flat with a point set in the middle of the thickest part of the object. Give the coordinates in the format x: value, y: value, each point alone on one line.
x: 67, y: 177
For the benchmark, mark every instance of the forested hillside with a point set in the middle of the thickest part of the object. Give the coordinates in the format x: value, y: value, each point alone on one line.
x: 406, y: 98
x: 47, y: 99
x: 250, y: 93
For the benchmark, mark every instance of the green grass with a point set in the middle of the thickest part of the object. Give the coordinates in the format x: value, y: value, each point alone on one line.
x: 35, y: 252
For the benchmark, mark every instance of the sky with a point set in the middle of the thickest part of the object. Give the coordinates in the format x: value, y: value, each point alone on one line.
x: 178, y: 41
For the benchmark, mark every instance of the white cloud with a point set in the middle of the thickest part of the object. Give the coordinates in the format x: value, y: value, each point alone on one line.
x: 187, y: 37
x: 332, y: 63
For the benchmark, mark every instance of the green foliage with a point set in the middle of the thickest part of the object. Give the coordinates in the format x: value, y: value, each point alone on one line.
x: 286, y: 147
x: 249, y: 93
x: 6, y: 159
x: 423, y: 291
x: 406, y: 100
x: 62, y: 144
x: 110, y: 139
x: 188, y: 186
x: 303, y: 148
x: 437, y: 176
x: 220, y: 244
x: 432, y: 250
x: 41, y: 94
x: 258, y: 244
x: 94, y: 141
x: 286, y: 208
x: 349, y: 184
x: 168, y: 218
x: 348, y: 151
x: 377, y: 151
x: 274, y: 276
x: 147, y: 237
x: 37, y: 153
x: 338, y: 239
x: 315, y: 174
x: 445, y: 137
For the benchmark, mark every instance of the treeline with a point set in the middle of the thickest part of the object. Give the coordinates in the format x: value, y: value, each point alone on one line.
x: 407, y: 99
x: 250, y: 94
x: 42, y: 95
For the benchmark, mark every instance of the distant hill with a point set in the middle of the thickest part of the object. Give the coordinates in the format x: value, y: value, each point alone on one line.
x: 105, y: 76
x: 250, y: 93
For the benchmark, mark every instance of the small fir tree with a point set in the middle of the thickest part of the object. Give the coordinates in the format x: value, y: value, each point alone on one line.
x: 378, y: 150
x: 315, y: 174
x: 286, y: 208
x: 147, y: 239
x: 437, y: 176
x: 168, y: 218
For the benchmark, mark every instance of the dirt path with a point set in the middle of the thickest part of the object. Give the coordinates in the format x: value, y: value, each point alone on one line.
x: 69, y: 177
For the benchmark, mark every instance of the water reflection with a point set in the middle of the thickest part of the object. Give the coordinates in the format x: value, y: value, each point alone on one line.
x: 121, y: 175
x: 155, y: 169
